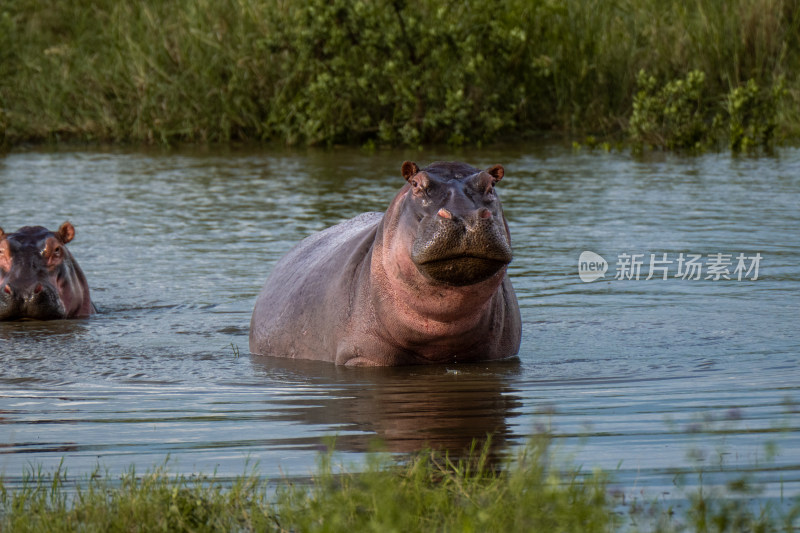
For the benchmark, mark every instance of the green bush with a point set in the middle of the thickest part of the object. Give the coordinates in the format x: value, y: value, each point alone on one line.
x: 681, y: 115
x: 753, y: 113
x: 673, y: 116
x: 395, y: 72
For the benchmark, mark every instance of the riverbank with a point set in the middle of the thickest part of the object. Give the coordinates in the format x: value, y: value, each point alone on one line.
x: 643, y: 73
x: 426, y: 492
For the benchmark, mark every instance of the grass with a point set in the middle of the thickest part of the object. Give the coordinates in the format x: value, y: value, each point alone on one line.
x: 401, y: 72
x: 425, y: 492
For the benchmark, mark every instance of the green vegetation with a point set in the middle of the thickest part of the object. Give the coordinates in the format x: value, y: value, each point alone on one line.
x: 426, y: 492
x: 671, y: 116
x: 678, y: 115
x: 668, y: 74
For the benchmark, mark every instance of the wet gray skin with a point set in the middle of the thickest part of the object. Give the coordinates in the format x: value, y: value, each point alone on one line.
x: 39, y: 278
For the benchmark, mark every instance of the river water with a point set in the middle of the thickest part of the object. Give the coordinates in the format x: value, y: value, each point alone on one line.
x: 654, y: 379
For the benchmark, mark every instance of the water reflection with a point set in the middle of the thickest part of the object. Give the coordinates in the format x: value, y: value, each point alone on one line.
x: 404, y: 409
x: 38, y: 330
x: 31, y: 344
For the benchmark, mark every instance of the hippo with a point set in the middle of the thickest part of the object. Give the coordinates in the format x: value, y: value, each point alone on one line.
x: 39, y: 278
x: 425, y: 282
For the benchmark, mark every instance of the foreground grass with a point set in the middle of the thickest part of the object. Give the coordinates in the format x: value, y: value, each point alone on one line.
x: 427, y: 492
x: 664, y: 73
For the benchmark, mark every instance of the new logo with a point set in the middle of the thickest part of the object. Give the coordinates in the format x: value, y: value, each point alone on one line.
x: 591, y: 266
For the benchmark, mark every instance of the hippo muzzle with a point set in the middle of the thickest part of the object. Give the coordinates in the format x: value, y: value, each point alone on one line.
x: 38, y: 300
x: 461, y: 251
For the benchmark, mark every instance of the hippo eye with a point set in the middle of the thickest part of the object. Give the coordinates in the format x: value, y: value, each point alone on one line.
x: 419, y: 188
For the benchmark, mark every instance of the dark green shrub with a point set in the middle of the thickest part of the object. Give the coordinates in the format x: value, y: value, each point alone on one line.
x: 396, y: 72
x: 672, y: 116
x: 753, y: 115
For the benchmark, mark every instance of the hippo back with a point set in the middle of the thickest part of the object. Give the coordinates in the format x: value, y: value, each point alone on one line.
x: 306, y: 297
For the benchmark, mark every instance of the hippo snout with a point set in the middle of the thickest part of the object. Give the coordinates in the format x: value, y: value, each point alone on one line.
x: 38, y: 301
x: 461, y: 250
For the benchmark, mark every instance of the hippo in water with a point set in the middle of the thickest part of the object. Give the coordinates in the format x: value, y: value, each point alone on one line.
x: 423, y: 283
x: 39, y: 278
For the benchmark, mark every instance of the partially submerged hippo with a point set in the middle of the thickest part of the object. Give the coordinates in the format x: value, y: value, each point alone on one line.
x: 425, y: 282
x: 39, y: 278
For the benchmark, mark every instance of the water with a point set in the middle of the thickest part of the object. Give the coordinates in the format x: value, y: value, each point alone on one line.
x: 630, y: 375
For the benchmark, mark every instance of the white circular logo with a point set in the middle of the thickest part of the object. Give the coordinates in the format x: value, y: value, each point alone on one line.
x: 591, y: 266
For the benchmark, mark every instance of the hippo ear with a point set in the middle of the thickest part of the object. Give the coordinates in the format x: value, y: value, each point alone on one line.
x: 2, y: 234
x: 409, y: 169
x: 66, y: 232
x: 497, y: 172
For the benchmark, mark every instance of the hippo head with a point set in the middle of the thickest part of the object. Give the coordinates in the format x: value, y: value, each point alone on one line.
x: 461, y: 237
x: 38, y: 277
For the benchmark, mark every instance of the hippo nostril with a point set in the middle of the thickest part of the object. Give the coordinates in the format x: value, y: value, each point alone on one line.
x: 484, y: 213
x: 38, y: 288
x: 444, y: 213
